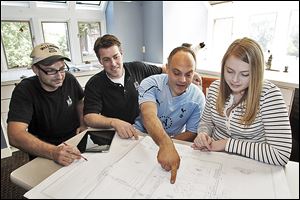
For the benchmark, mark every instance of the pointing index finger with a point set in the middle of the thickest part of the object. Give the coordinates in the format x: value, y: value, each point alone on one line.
x: 173, y: 175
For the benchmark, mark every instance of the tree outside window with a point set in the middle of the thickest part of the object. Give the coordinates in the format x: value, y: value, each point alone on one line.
x: 262, y: 28
x: 293, y: 43
x: 57, y: 33
x: 17, y: 43
x: 88, y: 34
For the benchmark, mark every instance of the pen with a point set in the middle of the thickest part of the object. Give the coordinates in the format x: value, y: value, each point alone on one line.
x: 80, y: 154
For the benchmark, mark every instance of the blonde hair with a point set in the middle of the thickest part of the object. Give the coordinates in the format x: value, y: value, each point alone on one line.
x: 250, y: 52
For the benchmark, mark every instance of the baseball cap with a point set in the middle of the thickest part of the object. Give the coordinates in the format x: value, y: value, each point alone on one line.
x: 46, y: 54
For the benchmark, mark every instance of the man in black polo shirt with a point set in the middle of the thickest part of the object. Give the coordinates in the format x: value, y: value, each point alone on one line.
x: 111, y: 96
x: 47, y: 109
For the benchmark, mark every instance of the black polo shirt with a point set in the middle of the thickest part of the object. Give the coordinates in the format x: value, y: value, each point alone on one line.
x: 51, y: 116
x: 102, y: 96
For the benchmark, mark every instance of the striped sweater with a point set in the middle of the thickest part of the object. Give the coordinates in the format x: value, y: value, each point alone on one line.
x: 268, y: 139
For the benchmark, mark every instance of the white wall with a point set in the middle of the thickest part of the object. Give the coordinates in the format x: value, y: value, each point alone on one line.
x: 183, y: 22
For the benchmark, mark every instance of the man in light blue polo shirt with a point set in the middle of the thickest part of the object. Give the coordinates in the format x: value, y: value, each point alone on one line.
x: 178, y: 114
x: 171, y: 107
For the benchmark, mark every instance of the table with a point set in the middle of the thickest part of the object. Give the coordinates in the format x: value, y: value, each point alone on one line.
x: 35, y: 171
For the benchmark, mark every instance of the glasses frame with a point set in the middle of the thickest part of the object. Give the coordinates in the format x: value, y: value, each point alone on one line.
x: 65, y: 69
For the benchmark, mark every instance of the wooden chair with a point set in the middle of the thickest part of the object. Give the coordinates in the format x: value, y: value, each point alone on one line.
x: 206, y: 81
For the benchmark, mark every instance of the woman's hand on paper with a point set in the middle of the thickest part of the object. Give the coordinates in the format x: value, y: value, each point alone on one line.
x: 204, y: 142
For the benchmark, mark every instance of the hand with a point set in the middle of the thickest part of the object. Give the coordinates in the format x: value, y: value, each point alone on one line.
x: 124, y: 129
x: 219, y: 145
x: 65, y: 155
x: 169, y: 159
x: 80, y: 129
x: 203, y: 142
x: 197, y: 80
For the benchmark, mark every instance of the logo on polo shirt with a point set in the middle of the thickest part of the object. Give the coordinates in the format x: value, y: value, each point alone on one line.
x: 69, y: 101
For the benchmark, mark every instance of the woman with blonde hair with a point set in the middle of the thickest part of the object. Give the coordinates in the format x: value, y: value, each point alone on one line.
x: 245, y: 114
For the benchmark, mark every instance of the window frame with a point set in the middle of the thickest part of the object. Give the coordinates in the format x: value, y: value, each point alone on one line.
x: 5, y: 67
x: 33, y: 13
x: 241, y: 13
x: 67, y: 35
x: 81, y: 52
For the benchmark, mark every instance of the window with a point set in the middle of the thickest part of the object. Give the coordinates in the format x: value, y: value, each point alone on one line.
x: 17, y: 42
x: 222, y: 37
x: 262, y: 29
x: 293, y: 35
x: 90, y: 5
x: 49, y: 21
x: 55, y: 1
x: 274, y: 26
x: 94, y: 3
x: 57, y: 33
x: 16, y: 3
x: 51, y: 4
x: 88, y: 34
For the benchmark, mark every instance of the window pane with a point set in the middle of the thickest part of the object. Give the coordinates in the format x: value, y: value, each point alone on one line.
x: 57, y: 33
x: 88, y: 33
x: 222, y: 37
x: 292, y: 53
x: 56, y: 1
x: 293, y: 36
x: 96, y: 3
x: 17, y: 43
x: 262, y: 29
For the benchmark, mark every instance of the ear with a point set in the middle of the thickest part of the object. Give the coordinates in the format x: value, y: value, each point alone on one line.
x: 167, y: 68
x: 100, y: 61
x: 35, y: 70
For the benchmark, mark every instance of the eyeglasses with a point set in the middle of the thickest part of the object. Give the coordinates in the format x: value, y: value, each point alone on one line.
x: 54, y: 71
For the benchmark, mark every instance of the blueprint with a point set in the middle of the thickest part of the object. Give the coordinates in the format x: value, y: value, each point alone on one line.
x: 136, y: 174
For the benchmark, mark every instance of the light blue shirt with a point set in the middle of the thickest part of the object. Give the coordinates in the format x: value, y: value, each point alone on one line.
x: 177, y: 114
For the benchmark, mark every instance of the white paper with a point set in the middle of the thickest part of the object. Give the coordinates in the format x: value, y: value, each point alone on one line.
x: 138, y: 175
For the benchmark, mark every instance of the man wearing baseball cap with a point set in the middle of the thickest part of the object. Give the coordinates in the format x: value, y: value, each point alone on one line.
x: 46, y: 109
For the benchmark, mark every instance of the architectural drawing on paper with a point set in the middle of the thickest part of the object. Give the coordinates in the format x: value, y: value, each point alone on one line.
x: 138, y: 175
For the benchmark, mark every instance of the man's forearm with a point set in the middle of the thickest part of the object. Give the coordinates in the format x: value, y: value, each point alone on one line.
x: 156, y: 131
x: 25, y: 141
x: 80, y: 112
x: 153, y: 125
x: 186, y: 136
x: 98, y: 121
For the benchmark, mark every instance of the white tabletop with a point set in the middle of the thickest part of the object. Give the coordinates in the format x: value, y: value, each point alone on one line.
x: 35, y: 171
x: 292, y: 176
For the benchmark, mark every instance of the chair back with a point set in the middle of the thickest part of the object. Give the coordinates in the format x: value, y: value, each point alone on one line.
x: 206, y: 81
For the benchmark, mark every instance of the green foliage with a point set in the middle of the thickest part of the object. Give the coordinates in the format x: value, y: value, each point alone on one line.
x: 55, y: 32
x: 16, y: 38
